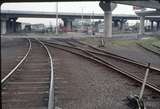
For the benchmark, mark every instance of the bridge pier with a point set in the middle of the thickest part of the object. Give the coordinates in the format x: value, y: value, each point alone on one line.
x: 122, y: 21
x: 108, y: 20
x: 141, y: 27
x: 67, y: 24
x: 18, y: 27
x: 152, y: 25
x: 106, y: 7
x: 158, y: 25
x: 14, y: 24
x: 115, y: 23
x: 11, y: 25
x: 3, y: 26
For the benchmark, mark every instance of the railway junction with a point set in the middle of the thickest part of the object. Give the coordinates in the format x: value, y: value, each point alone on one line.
x: 80, y: 71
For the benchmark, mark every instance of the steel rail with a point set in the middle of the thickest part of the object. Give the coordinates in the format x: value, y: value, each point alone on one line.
x: 108, y: 54
x: 140, y: 45
x: 98, y: 49
x: 101, y: 61
x: 51, y: 90
x: 93, y: 53
x: 118, y: 57
x: 15, y: 68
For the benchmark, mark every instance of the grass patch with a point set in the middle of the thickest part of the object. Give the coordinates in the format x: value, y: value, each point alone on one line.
x: 148, y: 43
x: 124, y: 42
x: 145, y: 41
x: 122, y: 32
x: 149, y: 40
x: 156, y: 43
x: 91, y: 40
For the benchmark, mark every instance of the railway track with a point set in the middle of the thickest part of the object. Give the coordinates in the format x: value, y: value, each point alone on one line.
x: 156, y: 52
x: 117, y: 56
x: 30, y: 84
x: 100, y: 57
x: 106, y: 53
x: 12, y: 51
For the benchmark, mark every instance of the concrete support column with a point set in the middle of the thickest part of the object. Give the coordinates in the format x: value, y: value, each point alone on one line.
x: 122, y: 21
x: 3, y: 27
x: 107, y: 23
x: 67, y: 24
x: 141, y: 28
x: 11, y: 25
x: 14, y: 24
x: 18, y: 27
x: 115, y: 23
x: 158, y: 25
x: 121, y: 25
x: 106, y: 7
x: 151, y: 25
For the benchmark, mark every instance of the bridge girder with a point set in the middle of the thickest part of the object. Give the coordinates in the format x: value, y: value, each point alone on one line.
x: 146, y: 3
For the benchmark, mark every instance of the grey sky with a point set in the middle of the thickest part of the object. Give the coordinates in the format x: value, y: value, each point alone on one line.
x: 88, y: 7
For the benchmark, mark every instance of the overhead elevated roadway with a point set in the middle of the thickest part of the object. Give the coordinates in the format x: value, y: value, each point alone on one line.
x: 107, y: 8
x: 155, y: 4
x: 7, y: 15
x: 141, y: 3
x: 39, y: 14
x: 143, y: 14
x: 149, y: 13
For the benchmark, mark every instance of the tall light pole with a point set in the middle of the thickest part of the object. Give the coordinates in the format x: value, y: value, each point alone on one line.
x: 82, y: 21
x: 91, y: 27
x: 92, y: 22
x: 56, y: 18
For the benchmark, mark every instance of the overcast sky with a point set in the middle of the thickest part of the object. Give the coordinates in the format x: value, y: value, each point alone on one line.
x: 77, y: 7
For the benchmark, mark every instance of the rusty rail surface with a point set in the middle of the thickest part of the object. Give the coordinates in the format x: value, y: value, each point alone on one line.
x: 101, y: 61
x: 51, y: 90
x: 14, y: 69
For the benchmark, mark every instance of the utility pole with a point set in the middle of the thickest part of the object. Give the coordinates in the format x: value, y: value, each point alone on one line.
x: 93, y: 23
x: 56, y: 18
x: 82, y: 21
x: 90, y: 29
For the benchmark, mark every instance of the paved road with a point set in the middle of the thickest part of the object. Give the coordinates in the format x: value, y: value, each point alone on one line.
x: 77, y: 35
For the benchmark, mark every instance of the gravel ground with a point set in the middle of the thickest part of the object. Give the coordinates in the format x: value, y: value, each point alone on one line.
x: 137, y: 53
x: 12, y: 51
x: 81, y: 84
x: 29, y: 85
